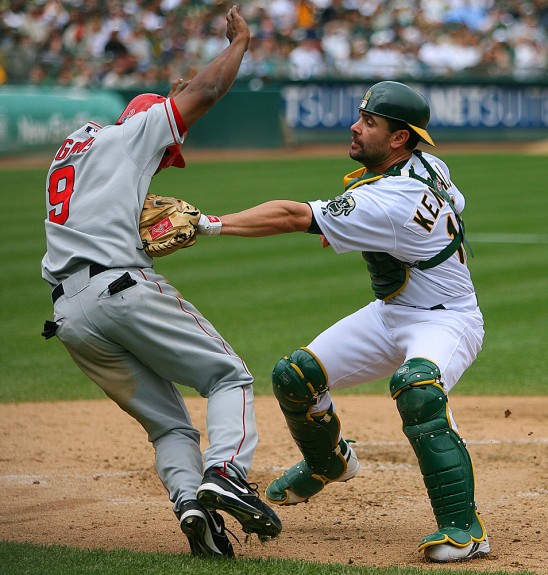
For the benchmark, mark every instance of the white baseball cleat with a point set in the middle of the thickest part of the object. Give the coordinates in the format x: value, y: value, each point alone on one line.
x: 446, y: 552
x: 352, y: 466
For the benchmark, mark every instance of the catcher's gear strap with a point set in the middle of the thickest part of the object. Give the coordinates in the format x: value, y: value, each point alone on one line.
x: 443, y: 458
x: 389, y: 275
x: 317, y: 437
x: 298, y: 382
x: 301, y: 481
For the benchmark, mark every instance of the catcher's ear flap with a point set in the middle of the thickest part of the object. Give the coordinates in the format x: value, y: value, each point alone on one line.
x: 172, y: 157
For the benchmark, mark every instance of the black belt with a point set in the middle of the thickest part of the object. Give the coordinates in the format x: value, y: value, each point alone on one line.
x: 94, y: 269
x: 439, y: 306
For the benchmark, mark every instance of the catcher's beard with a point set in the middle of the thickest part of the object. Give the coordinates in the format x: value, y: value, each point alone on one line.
x: 370, y: 156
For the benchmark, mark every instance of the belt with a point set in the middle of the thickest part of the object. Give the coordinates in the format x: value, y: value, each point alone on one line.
x: 94, y: 269
x: 439, y: 306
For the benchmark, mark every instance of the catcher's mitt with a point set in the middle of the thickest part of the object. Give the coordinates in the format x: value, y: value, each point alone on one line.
x: 167, y: 224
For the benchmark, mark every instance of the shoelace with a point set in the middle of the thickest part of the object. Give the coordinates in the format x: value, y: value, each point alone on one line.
x: 251, y: 486
x: 233, y: 535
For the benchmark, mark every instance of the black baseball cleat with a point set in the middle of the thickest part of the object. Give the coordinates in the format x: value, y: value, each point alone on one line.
x: 239, y: 499
x: 205, y: 531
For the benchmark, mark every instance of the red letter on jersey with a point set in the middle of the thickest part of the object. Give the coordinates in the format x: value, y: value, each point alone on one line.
x: 64, y: 150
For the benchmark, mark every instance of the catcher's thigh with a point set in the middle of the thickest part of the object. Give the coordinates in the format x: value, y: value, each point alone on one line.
x: 357, y: 349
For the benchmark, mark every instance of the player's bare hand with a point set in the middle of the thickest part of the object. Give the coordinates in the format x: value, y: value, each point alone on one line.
x: 325, y: 243
x: 177, y: 87
x: 236, y: 27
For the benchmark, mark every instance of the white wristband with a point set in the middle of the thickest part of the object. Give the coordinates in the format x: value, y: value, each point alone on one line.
x: 209, y: 225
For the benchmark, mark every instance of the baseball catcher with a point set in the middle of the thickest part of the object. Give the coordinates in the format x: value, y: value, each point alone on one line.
x: 401, y: 210
x: 167, y: 225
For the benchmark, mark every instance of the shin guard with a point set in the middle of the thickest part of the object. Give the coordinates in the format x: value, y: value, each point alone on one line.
x: 298, y: 382
x: 444, y: 461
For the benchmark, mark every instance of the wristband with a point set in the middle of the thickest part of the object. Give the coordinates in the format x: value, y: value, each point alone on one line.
x: 209, y: 225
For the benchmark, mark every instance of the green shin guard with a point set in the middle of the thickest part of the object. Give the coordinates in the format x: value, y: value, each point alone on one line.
x: 296, y: 485
x: 443, y: 459
x: 456, y: 536
x: 300, y: 482
x: 317, y: 437
x: 298, y: 382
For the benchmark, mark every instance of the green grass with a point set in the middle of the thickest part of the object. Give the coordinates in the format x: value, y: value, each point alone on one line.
x: 268, y: 296
x: 23, y: 559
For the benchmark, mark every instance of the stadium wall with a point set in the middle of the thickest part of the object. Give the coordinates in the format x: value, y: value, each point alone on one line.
x: 257, y: 114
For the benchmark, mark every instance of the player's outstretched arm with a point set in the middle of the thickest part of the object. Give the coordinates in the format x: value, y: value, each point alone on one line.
x: 268, y: 219
x: 213, y: 82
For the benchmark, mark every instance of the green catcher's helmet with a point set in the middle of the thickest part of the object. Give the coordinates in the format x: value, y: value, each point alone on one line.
x: 399, y: 102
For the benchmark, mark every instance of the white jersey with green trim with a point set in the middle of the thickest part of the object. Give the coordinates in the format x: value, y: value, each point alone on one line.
x: 401, y: 216
x: 96, y: 187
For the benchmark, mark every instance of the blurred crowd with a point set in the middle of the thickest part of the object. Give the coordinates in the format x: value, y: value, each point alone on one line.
x: 142, y: 43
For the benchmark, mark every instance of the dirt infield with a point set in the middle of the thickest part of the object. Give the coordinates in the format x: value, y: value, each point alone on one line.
x: 82, y: 474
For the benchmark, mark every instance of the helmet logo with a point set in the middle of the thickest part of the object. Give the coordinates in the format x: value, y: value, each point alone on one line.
x: 366, y: 97
x: 128, y: 115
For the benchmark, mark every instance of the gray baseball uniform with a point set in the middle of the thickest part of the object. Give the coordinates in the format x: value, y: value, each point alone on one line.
x: 137, y: 336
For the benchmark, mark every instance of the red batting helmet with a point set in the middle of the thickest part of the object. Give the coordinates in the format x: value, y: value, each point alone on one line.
x: 141, y: 103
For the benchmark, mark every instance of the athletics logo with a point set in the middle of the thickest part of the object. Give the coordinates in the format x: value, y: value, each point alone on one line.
x: 341, y: 205
x: 365, y: 100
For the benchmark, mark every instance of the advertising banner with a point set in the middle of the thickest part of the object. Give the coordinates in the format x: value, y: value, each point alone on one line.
x: 37, y: 118
x: 467, y: 108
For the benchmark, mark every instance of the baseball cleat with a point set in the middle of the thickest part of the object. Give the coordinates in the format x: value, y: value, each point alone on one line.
x: 446, y: 552
x: 239, y: 499
x: 205, y: 531
x: 300, y: 482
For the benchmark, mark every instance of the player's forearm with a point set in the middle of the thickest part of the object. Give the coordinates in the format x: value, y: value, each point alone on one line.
x: 194, y: 99
x: 268, y: 219
x: 214, y: 81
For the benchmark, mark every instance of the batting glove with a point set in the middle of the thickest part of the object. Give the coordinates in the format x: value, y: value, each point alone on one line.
x: 209, y: 226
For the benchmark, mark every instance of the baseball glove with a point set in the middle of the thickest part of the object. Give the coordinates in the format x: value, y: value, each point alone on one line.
x: 167, y: 225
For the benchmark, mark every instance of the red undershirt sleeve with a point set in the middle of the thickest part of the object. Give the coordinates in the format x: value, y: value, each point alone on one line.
x: 181, y: 126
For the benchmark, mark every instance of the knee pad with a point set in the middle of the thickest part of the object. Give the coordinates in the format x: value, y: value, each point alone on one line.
x: 418, y: 392
x: 442, y: 455
x: 298, y: 381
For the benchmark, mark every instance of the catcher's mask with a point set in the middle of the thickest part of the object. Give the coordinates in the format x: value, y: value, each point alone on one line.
x: 141, y: 103
x: 399, y: 102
